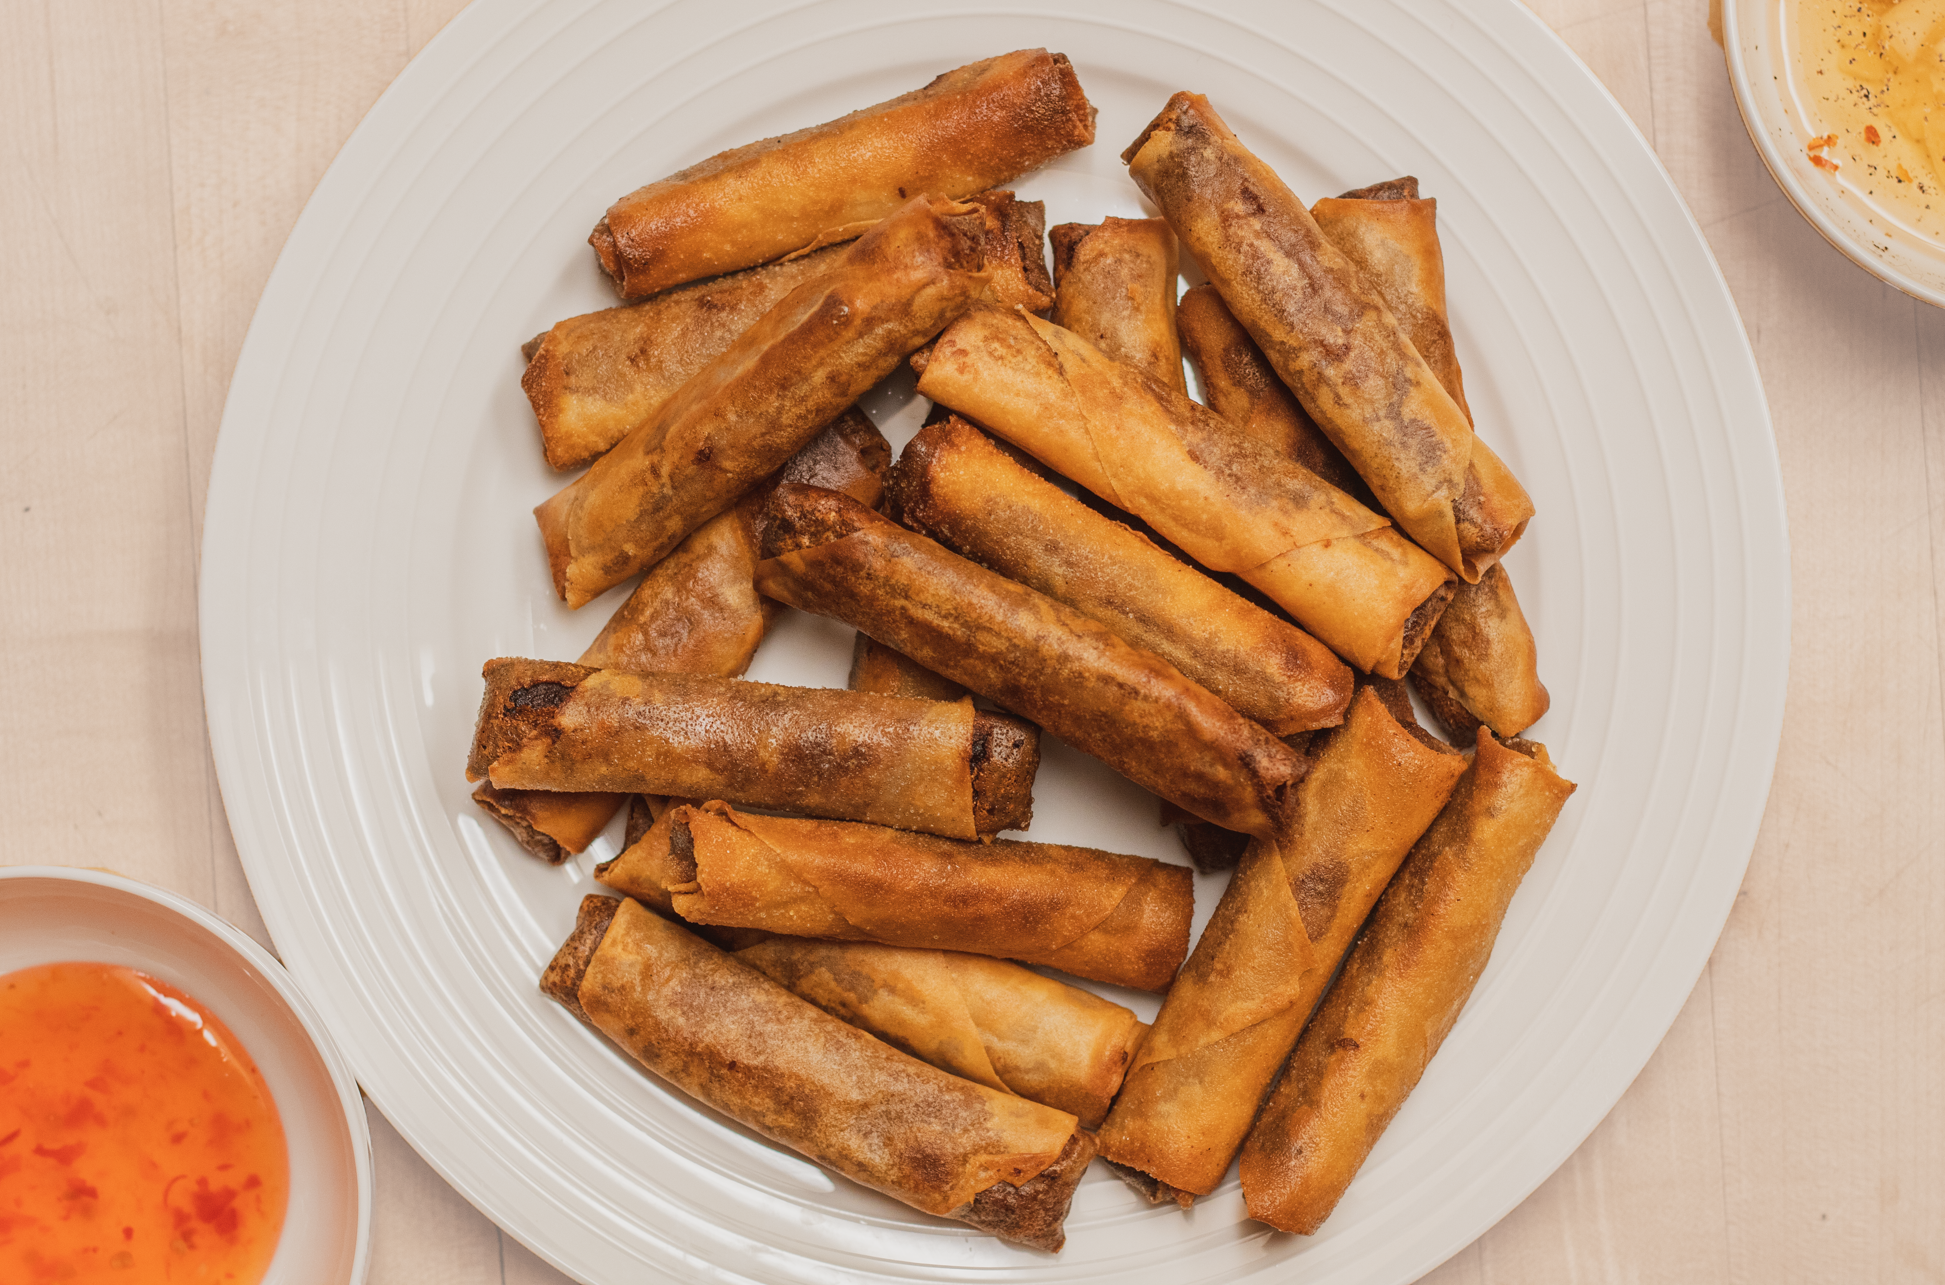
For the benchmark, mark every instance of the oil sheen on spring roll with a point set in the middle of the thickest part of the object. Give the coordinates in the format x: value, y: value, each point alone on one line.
x: 592, y: 379
x: 1239, y: 385
x: 990, y: 1021
x: 1099, y: 915
x: 1287, y: 917
x: 923, y: 765
x: 1330, y: 336
x: 953, y: 484
x: 1410, y: 974
x: 735, y: 1040
x: 695, y: 612
x: 1114, y: 286
x: 968, y: 130
x: 1041, y: 659
x: 755, y: 404
x: 1226, y: 500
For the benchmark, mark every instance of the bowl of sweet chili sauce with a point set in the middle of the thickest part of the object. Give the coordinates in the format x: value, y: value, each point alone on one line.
x: 1845, y: 101
x: 170, y: 1106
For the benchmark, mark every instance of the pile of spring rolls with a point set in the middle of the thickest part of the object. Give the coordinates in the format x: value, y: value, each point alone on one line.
x: 820, y: 931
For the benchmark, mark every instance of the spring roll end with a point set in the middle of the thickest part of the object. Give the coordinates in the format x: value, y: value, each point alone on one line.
x: 561, y: 980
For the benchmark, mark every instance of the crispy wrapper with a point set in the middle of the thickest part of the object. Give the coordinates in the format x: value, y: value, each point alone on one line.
x: 1482, y: 666
x: 878, y: 668
x: 756, y: 403
x: 732, y: 1038
x: 1239, y: 385
x: 1403, y: 986
x: 1014, y: 645
x: 593, y: 379
x: 953, y: 484
x: 695, y: 612
x: 925, y: 765
x: 1391, y: 234
x: 1287, y: 917
x: 1225, y: 499
x: 968, y: 130
x: 1099, y: 915
x: 1114, y: 286
x: 1330, y: 336
x: 986, y: 1020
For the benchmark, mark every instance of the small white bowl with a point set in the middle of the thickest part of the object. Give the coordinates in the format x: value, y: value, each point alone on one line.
x: 1760, y: 72
x: 54, y: 913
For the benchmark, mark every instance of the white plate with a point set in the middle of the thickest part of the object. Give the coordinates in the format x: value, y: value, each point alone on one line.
x: 368, y: 546
x: 53, y: 914
x: 1758, y: 46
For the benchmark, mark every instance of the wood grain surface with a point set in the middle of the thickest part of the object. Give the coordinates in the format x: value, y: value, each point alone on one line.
x: 1792, y: 1125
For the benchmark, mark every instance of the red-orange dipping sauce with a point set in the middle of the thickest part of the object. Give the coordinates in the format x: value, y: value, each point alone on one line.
x: 138, y: 1141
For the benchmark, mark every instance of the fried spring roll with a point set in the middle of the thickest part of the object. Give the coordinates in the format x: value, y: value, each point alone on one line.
x: 1239, y: 385
x: 1480, y: 666
x: 1114, y: 286
x: 1287, y: 917
x: 1228, y: 501
x: 878, y: 668
x: 940, y: 767
x: 1391, y: 234
x: 986, y: 1020
x: 1404, y: 985
x: 592, y: 379
x: 732, y: 1038
x: 953, y: 484
x: 756, y: 403
x: 1045, y: 661
x: 1099, y: 915
x: 968, y: 130
x: 695, y: 612
x: 1330, y: 336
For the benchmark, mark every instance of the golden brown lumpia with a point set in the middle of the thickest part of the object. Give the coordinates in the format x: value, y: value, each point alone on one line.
x: 1287, y: 917
x: 1229, y: 502
x: 695, y: 612
x: 755, y: 404
x: 878, y: 668
x: 1099, y: 915
x: 953, y: 484
x: 1391, y: 234
x: 929, y: 765
x: 1480, y: 664
x: 592, y: 379
x: 729, y: 1036
x: 1402, y: 988
x: 1045, y: 661
x: 968, y: 130
x: 986, y: 1020
x: 1330, y: 336
x: 1114, y: 286
x: 1239, y: 385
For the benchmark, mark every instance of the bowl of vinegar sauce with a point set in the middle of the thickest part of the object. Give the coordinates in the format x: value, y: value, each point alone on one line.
x: 169, y: 1107
x: 1845, y: 100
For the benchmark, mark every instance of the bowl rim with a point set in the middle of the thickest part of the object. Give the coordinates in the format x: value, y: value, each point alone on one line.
x: 1742, y: 89
x: 350, y: 1102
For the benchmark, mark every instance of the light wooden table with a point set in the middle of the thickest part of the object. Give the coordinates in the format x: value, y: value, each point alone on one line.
x: 1792, y: 1125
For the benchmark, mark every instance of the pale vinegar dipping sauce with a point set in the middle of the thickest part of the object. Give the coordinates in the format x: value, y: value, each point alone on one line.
x: 1869, y: 76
